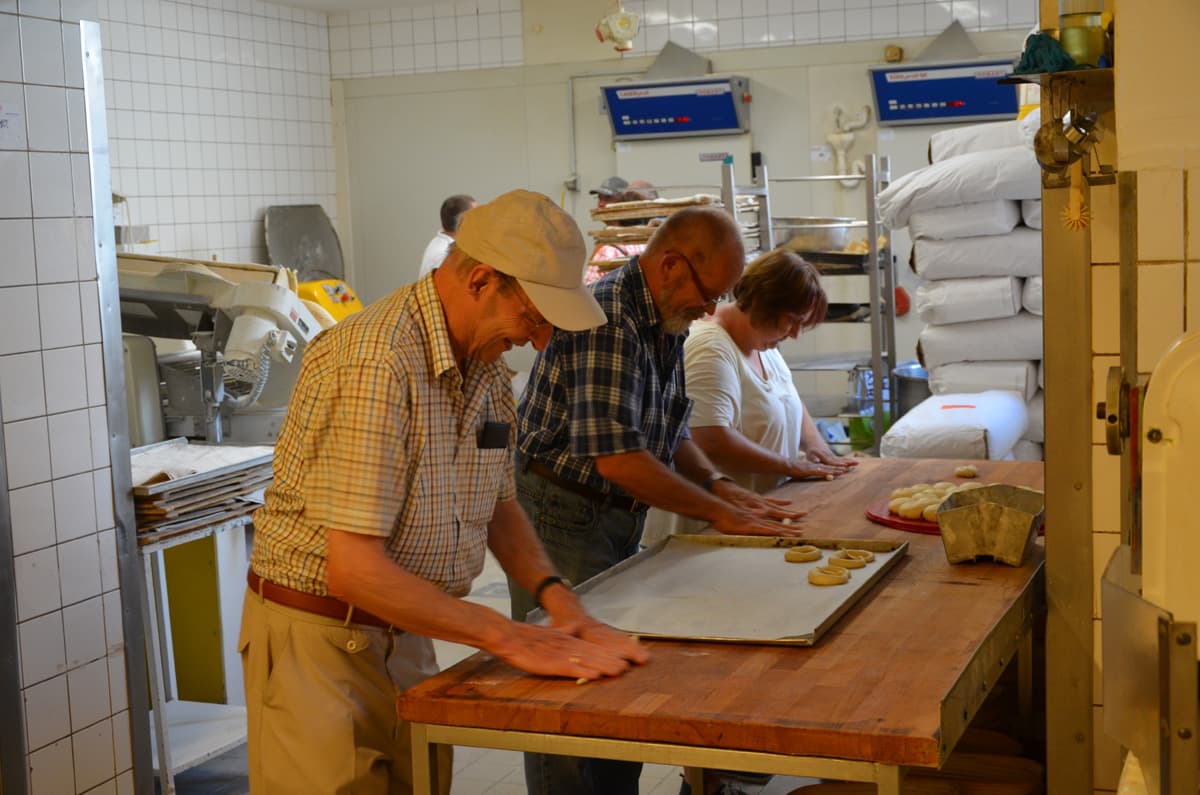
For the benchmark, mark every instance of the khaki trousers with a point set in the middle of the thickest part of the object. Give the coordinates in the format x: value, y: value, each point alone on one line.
x: 321, y: 703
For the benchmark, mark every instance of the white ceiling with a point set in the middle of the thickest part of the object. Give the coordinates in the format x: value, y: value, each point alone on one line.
x: 333, y: 6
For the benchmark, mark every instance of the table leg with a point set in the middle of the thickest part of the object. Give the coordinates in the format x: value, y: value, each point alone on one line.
x: 424, y: 761
x: 889, y: 779
x: 1025, y: 682
x: 695, y: 778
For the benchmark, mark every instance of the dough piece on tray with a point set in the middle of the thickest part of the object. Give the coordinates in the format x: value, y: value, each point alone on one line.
x: 828, y: 575
x: 802, y: 554
x: 842, y: 559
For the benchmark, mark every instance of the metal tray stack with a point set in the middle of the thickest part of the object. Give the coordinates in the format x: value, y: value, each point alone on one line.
x: 180, y: 487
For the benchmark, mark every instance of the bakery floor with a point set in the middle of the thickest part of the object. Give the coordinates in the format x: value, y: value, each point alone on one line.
x: 477, y: 771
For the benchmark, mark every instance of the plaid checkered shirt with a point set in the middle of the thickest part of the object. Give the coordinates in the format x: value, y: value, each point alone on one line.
x: 380, y: 439
x: 614, y: 389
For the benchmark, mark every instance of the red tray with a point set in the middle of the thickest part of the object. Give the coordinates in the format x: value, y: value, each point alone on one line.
x: 878, y: 512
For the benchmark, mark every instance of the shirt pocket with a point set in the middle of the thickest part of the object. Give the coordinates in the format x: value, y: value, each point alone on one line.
x: 479, y: 472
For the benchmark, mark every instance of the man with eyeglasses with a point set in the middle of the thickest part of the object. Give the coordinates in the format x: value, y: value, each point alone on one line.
x: 393, y: 472
x: 602, y: 436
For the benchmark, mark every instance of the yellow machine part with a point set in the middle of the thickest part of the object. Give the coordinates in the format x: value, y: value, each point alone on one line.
x: 332, y: 295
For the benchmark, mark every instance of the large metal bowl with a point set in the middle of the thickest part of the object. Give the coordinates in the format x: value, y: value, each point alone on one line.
x: 809, y: 233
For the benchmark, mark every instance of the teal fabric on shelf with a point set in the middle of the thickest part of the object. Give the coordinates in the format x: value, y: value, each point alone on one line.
x: 1043, y: 53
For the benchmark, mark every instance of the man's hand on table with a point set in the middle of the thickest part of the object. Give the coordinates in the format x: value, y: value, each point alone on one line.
x: 553, y: 651
x: 752, y: 514
x: 601, y: 634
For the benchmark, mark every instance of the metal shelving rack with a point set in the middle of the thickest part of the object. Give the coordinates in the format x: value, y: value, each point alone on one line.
x: 185, y: 733
x: 881, y: 278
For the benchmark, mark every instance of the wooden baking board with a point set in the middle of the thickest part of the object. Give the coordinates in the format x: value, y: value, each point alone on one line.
x: 730, y: 588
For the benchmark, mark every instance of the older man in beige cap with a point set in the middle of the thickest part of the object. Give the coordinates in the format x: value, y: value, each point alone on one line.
x: 393, y: 472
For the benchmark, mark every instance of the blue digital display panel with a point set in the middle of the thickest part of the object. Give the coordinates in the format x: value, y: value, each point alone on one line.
x: 939, y: 93
x: 713, y: 106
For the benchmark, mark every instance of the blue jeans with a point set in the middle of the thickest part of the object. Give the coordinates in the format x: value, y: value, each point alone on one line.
x: 582, y: 539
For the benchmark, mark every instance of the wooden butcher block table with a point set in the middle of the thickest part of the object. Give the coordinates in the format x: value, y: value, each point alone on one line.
x: 892, y: 685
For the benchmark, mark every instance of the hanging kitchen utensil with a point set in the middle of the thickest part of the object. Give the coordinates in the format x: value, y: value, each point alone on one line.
x: 1080, y: 133
x: 1051, y: 147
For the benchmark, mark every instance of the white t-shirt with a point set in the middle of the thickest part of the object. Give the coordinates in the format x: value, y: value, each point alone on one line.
x: 728, y: 393
x: 435, y: 252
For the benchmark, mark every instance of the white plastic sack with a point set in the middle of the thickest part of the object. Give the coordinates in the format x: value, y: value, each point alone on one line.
x: 974, y: 138
x: 1029, y: 126
x: 1031, y: 213
x: 1041, y: 375
x: 1009, y: 173
x: 965, y: 377
x: 997, y: 217
x: 1036, y: 432
x: 1025, y: 450
x: 983, y: 425
x: 1002, y: 339
x: 1018, y: 253
x: 1031, y: 296
x: 961, y: 300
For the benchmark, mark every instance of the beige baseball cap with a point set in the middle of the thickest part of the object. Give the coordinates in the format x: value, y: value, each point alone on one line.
x: 527, y: 236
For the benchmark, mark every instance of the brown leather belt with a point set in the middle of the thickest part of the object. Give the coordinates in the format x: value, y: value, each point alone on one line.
x: 326, y: 606
x: 546, y: 473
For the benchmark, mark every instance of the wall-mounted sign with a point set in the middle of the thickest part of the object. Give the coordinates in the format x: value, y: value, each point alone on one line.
x: 940, y: 93
x: 678, y: 108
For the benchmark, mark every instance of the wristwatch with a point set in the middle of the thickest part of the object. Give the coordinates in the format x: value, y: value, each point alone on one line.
x: 546, y: 582
x: 713, y: 478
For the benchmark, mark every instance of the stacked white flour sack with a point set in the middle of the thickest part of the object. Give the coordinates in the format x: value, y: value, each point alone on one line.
x: 974, y: 216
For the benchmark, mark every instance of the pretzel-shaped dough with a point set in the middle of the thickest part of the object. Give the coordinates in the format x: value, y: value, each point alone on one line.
x: 843, y: 560
x: 865, y: 555
x: 828, y: 575
x: 802, y: 554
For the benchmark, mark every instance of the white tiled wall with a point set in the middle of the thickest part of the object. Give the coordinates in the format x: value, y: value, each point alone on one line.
x: 736, y: 24
x: 469, y: 34
x: 475, y: 34
x: 217, y: 110
x: 52, y: 401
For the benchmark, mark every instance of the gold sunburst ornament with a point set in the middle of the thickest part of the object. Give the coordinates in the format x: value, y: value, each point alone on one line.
x: 1076, y: 215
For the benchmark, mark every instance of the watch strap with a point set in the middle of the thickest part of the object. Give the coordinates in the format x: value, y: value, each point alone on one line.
x: 713, y: 478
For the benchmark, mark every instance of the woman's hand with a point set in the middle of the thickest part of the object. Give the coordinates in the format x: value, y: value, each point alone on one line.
x: 804, y: 469
x: 820, y: 453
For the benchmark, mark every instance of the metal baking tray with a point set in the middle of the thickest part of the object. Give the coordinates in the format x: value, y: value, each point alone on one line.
x: 737, y: 589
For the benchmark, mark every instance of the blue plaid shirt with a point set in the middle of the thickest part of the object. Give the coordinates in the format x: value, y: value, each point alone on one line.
x: 615, y: 389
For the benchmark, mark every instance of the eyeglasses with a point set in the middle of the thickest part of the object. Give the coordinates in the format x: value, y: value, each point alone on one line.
x: 709, y: 303
x: 529, y: 313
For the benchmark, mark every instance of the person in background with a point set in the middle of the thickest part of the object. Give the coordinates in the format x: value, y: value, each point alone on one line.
x: 451, y: 214
x: 393, y: 472
x: 606, y: 252
x: 608, y: 190
x: 603, y: 421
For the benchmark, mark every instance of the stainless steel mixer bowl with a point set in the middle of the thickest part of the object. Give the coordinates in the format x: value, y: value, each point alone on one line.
x: 810, y: 233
